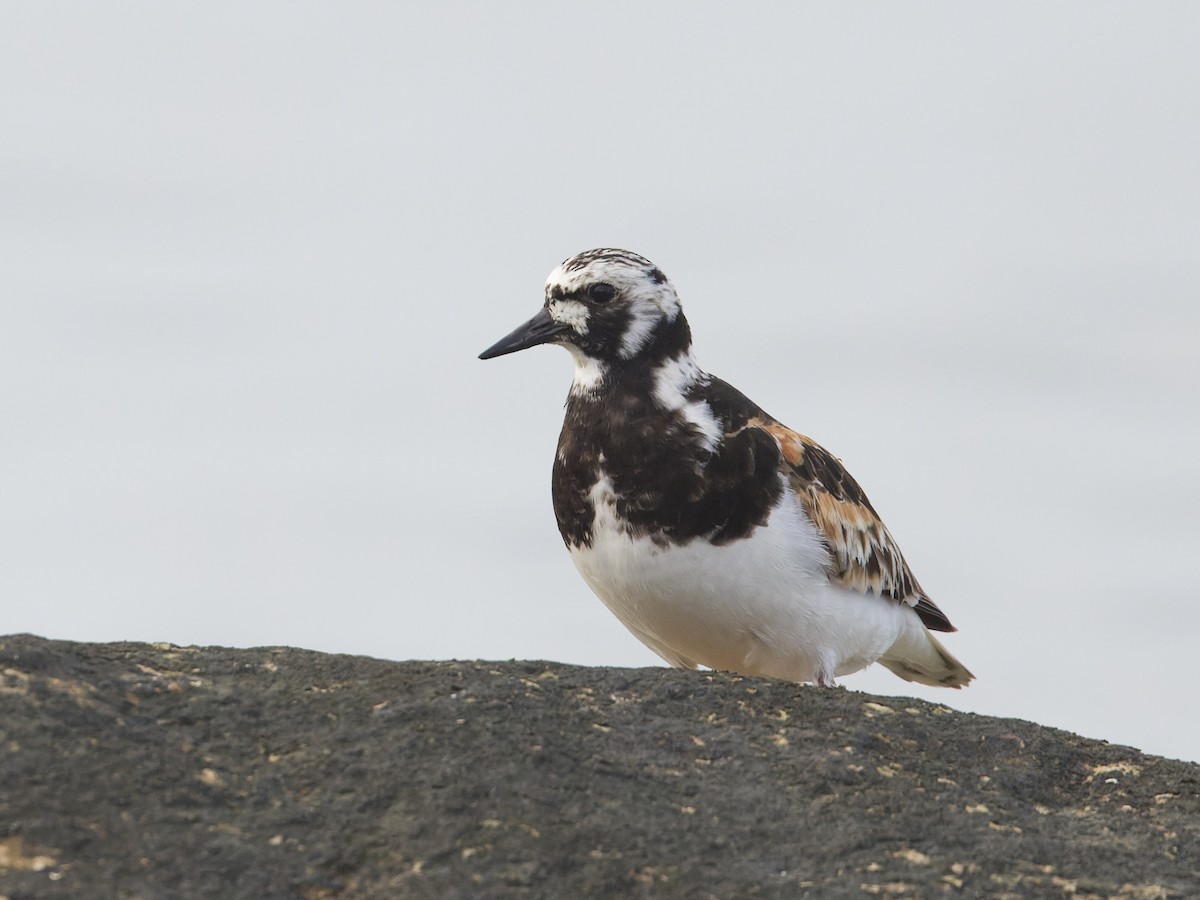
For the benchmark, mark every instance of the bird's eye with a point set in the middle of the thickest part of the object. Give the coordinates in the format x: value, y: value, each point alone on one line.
x: 602, y: 292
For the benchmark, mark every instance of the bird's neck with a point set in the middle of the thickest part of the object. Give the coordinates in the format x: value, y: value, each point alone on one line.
x: 663, y: 380
x: 666, y: 356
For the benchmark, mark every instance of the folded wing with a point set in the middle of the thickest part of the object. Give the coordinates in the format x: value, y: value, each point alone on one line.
x: 863, y: 554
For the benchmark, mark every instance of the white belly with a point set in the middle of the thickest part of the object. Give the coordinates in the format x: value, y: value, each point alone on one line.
x: 759, y: 606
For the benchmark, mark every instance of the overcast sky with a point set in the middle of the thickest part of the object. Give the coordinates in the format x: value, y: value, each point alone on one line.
x: 249, y: 252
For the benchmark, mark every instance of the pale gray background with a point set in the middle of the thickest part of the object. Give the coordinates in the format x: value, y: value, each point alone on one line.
x: 248, y: 253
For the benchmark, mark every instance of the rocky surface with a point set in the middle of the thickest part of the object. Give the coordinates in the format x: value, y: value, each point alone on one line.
x: 139, y: 771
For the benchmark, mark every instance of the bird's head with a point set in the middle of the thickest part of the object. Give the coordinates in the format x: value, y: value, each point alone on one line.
x: 611, y: 308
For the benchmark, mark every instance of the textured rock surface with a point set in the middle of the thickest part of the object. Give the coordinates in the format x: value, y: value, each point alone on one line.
x: 131, y: 770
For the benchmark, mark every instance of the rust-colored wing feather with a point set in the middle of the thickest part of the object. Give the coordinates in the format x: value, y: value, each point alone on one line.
x: 863, y: 554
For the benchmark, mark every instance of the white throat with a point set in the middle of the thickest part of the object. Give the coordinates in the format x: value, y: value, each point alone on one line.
x: 589, y: 373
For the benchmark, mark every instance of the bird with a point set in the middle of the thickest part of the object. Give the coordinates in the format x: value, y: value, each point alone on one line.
x: 717, y: 535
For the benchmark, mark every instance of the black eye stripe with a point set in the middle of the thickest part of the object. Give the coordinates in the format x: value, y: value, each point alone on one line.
x: 601, y: 292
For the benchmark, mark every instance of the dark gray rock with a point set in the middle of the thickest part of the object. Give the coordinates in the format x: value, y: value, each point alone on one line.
x: 131, y: 770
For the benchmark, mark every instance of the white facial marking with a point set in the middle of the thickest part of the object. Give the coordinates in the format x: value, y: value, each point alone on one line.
x: 642, y: 319
x: 632, y: 281
x: 671, y: 383
x: 571, y: 313
x: 646, y: 300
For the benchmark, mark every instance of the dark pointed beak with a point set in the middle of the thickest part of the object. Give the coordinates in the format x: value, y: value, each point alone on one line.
x: 541, y: 329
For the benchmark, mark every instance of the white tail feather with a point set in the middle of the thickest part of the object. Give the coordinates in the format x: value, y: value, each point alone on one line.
x: 918, y: 656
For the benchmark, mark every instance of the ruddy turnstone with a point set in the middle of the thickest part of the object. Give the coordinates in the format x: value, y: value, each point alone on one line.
x: 717, y: 535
